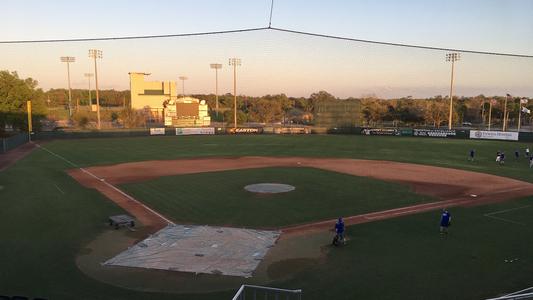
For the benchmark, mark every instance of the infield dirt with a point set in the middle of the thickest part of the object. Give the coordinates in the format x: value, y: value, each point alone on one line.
x: 451, y: 186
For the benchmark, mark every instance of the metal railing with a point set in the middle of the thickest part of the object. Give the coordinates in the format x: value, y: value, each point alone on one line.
x: 252, y: 292
x: 522, y: 294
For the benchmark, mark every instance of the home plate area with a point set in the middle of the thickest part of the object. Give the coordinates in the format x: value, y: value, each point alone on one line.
x: 200, y: 249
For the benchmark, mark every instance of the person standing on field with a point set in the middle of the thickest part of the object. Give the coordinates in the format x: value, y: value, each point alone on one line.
x: 472, y: 154
x: 339, y: 232
x: 445, y: 221
x: 527, y: 152
x: 531, y: 161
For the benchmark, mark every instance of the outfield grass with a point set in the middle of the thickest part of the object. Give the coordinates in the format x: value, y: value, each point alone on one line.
x: 407, y: 258
x: 450, y: 153
x: 46, y: 219
x: 219, y: 198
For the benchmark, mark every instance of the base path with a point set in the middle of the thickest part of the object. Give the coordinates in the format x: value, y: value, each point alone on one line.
x: 451, y: 186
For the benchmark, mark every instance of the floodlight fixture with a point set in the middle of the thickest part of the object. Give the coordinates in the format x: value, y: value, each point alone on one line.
x: 453, y: 57
x: 68, y: 60
x: 216, y: 67
x: 95, y: 54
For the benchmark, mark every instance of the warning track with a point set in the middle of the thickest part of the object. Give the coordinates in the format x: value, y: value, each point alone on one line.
x: 451, y: 186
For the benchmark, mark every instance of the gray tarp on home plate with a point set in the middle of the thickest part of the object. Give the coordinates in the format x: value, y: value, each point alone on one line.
x: 200, y: 249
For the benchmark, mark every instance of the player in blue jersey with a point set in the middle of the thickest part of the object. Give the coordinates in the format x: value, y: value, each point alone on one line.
x: 445, y: 221
x: 472, y: 154
x: 339, y: 233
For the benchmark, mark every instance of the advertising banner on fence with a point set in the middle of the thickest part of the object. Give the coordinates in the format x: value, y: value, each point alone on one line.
x: 157, y: 131
x: 245, y: 130
x: 195, y: 131
x: 434, y: 132
x: 380, y: 131
x: 292, y: 130
x: 494, y: 135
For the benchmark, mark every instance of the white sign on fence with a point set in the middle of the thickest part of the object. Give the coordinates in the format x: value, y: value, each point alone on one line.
x: 494, y: 135
x: 157, y: 131
x: 191, y: 131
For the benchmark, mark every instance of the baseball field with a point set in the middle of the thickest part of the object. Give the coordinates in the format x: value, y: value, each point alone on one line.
x: 54, y: 205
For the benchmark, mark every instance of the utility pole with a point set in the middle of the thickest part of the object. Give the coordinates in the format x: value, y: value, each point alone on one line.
x: 491, y: 101
x: 453, y: 57
x: 89, y: 75
x: 483, y: 112
x: 505, y: 113
x: 183, y: 78
x: 94, y: 53
x: 235, y: 62
x: 216, y: 67
x: 68, y: 60
x: 521, y: 101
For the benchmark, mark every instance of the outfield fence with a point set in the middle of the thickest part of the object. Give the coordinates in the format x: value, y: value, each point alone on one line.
x: 254, y: 292
x: 50, y: 135
x: 459, y: 133
x: 13, y: 142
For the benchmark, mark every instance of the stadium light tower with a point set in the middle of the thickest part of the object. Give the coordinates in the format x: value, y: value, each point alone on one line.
x: 68, y: 60
x: 216, y: 67
x: 453, y: 57
x: 183, y: 78
x: 522, y: 109
x: 94, y: 53
x: 235, y: 62
x: 89, y: 75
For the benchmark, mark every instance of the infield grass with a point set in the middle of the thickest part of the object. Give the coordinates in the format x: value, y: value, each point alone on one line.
x: 219, y: 198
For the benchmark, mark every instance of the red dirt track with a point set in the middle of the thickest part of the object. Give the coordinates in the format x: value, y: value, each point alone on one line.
x: 12, y: 156
x: 451, y: 186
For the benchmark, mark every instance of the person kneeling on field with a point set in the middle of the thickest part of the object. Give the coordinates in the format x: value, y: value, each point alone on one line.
x: 339, y: 233
x: 445, y: 221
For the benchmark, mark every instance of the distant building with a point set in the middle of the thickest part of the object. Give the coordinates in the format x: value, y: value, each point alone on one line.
x: 159, y: 100
x: 186, y: 112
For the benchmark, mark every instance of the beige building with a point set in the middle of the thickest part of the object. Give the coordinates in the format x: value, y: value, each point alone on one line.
x: 150, y: 94
x: 159, y: 100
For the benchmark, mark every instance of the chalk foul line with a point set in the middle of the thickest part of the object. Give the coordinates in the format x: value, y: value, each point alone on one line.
x: 102, y: 180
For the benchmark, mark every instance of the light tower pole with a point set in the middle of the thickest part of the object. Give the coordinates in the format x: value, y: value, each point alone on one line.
x: 68, y: 60
x: 521, y: 101
x: 504, y: 127
x: 183, y: 78
x: 491, y: 102
x: 235, y: 62
x: 453, y: 57
x: 216, y: 67
x: 94, y: 53
x: 89, y: 75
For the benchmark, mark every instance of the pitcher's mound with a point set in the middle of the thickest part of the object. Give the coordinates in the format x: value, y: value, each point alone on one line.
x: 269, y: 188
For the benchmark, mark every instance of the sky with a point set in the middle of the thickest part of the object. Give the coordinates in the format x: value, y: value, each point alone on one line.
x: 278, y: 62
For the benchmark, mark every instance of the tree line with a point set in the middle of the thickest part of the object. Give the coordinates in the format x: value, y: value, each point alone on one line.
x: 15, y: 91
x: 434, y: 111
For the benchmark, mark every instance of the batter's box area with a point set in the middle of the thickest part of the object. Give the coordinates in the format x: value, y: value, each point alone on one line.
x: 200, y: 249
